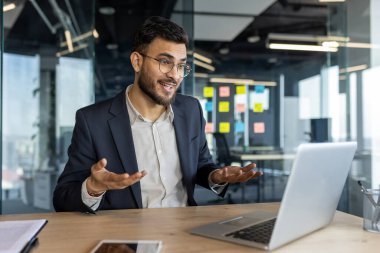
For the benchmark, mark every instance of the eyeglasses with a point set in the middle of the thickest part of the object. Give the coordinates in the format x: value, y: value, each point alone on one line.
x: 166, y: 66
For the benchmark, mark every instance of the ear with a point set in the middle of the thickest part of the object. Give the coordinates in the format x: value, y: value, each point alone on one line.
x: 136, y: 61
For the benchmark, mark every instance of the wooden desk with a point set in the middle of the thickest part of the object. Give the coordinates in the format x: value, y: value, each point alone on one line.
x: 76, y: 232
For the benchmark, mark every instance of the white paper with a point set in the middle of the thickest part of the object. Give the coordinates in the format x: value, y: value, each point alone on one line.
x: 15, y: 235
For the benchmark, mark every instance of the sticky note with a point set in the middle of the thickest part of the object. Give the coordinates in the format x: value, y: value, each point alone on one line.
x: 257, y: 107
x: 224, y: 91
x: 208, y: 92
x: 240, y: 107
x: 224, y: 106
x: 259, y: 88
x: 240, y: 89
x: 208, y: 106
x: 239, y: 127
x: 209, y: 128
x: 224, y: 127
x: 259, y: 127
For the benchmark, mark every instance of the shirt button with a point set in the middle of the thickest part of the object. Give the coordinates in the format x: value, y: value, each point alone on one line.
x: 159, y: 151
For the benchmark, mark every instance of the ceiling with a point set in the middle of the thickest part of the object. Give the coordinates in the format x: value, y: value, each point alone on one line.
x: 220, y: 26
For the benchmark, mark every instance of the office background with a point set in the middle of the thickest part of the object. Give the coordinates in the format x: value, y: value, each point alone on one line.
x: 270, y: 75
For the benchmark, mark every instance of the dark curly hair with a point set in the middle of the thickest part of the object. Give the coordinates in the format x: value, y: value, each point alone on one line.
x: 156, y: 26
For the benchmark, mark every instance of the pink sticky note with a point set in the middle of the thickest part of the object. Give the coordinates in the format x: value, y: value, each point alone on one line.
x: 224, y: 91
x: 209, y: 128
x: 259, y: 127
x: 240, y: 107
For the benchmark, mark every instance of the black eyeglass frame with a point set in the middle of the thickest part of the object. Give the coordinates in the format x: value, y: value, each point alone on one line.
x: 186, y: 67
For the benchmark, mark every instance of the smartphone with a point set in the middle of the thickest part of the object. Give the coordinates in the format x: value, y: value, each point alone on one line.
x: 128, y: 246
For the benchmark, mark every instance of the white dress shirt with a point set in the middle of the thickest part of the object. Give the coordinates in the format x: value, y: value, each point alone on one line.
x: 156, y: 153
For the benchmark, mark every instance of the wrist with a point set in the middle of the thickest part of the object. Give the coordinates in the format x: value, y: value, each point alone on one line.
x: 91, y: 190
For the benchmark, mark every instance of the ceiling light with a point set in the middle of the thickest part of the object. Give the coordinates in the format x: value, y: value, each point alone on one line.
x: 331, y: 1
x: 201, y: 75
x: 253, y: 39
x: 202, y: 58
x: 95, y: 34
x: 204, y: 65
x: 306, y: 37
x: 107, y: 10
x: 9, y: 7
x: 78, y: 38
x: 300, y: 47
x: 238, y: 81
x: 69, y: 41
x: 353, y: 69
x: 64, y: 52
x: 224, y: 50
x: 330, y: 44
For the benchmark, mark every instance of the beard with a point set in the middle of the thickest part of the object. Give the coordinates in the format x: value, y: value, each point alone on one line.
x: 148, y: 86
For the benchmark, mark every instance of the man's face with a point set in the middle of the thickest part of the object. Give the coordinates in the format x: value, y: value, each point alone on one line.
x: 160, y: 87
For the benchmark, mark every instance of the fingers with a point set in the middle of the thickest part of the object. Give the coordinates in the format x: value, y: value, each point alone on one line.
x: 121, y: 181
x: 234, y: 174
x: 102, y: 179
x: 100, y: 165
x: 249, y: 167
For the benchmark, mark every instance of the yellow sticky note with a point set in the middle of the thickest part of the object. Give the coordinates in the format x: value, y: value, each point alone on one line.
x: 224, y: 106
x: 208, y: 92
x: 240, y: 89
x: 224, y: 127
x: 258, y: 107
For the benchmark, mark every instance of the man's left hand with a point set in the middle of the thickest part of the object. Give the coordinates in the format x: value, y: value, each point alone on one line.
x: 235, y: 174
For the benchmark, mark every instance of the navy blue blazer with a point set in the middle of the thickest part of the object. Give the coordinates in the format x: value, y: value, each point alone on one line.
x: 103, y: 130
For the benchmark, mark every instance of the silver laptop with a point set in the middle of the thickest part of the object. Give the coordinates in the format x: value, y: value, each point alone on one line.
x: 311, y: 196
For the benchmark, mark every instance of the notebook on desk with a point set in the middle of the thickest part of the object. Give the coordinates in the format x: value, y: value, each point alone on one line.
x: 311, y: 196
x: 19, y: 235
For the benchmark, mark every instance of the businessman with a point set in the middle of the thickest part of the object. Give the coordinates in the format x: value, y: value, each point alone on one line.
x: 146, y: 147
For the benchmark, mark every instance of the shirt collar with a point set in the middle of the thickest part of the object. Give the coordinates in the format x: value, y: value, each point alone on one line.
x: 135, y: 115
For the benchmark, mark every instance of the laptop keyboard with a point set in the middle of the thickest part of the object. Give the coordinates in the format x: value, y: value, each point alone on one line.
x: 260, y: 233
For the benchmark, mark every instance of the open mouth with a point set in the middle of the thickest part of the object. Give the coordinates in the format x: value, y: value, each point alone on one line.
x: 168, y: 86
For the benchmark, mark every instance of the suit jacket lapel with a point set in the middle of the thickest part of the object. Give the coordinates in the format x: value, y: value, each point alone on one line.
x: 122, y: 134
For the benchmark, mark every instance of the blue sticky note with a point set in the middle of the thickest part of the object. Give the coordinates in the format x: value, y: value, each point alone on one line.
x: 239, y: 127
x: 259, y: 88
x: 209, y: 106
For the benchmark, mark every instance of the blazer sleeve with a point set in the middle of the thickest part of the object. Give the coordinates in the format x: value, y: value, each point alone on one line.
x: 67, y: 194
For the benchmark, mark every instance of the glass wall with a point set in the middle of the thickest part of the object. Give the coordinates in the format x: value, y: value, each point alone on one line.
x: 269, y: 75
x: 48, y: 74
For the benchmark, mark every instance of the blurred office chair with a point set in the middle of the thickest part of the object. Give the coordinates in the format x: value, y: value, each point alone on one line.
x: 222, y: 151
x: 223, y: 157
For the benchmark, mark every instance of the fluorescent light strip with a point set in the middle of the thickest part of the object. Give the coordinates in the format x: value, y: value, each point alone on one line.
x: 359, y: 45
x: 353, y: 68
x: 204, y: 65
x: 202, y: 58
x: 64, y: 52
x: 78, y: 38
x: 305, y: 37
x: 332, y: 1
x: 299, y: 47
x: 201, y: 75
x: 95, y: 34
x: 8, y: 7
x: 242, y: 81
x: 69, y: 41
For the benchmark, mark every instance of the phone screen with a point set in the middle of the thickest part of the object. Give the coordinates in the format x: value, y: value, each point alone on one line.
x: 128, y: 247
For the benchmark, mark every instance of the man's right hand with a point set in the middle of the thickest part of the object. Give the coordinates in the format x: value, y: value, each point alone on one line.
x: 102, y: 180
